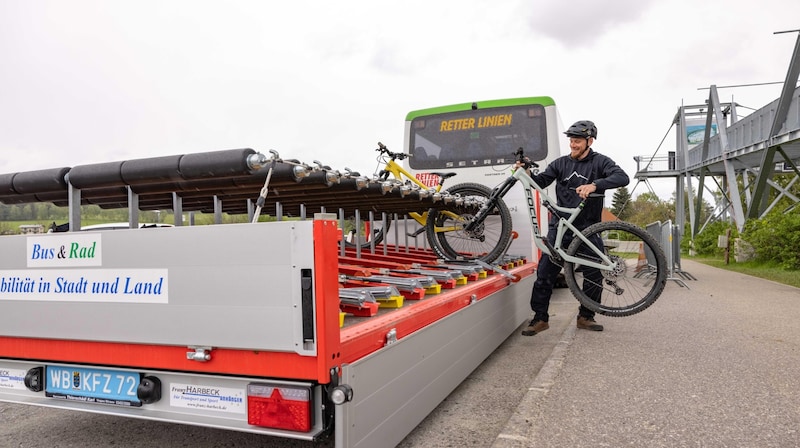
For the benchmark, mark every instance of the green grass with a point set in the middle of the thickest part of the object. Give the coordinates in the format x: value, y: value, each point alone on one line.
x: 755, y: 268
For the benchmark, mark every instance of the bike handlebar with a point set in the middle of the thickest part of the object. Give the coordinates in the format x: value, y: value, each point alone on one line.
x: 394, y: 155
x: 524, y: 161
x: 518, y: 154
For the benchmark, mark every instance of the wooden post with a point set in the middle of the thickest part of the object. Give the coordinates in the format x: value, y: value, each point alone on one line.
x: 727, y: 246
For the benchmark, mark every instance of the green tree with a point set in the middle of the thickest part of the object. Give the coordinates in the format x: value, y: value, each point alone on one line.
x: 706, y: 211
x: 619, y: 203
x: 648, y: 208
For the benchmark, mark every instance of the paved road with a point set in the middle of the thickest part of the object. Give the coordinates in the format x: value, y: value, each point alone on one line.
x: 711, y: 366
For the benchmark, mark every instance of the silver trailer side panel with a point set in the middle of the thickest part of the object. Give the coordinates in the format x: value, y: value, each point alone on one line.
x: 234, y: 286
x: 396, y: 388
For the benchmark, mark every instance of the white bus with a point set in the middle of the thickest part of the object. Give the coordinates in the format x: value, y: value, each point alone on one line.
x: 477, y: 141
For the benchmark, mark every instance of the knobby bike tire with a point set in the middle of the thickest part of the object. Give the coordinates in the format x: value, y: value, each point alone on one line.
x: 487, y: 242
x: 635, y: 284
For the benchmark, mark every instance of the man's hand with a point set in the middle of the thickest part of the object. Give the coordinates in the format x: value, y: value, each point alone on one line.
x: 584, y: 190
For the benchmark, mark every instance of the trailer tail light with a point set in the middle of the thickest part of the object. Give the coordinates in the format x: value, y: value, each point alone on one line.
x: 279, y: 407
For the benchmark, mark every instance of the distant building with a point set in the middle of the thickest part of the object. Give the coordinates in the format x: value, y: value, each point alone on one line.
x: 31, y: 228
x: 608, y: 216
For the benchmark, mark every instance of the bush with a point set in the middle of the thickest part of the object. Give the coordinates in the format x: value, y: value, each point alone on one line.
x: 776, y: 238
x: 705, y: 243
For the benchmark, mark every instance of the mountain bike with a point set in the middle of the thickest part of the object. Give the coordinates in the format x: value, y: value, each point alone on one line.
x: 393, y: 176
x: 619, y: 261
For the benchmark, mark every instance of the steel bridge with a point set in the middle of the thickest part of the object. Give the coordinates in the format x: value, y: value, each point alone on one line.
x: 741, y: 158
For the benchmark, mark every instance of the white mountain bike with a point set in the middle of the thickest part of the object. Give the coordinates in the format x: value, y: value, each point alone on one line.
x: 619, y: 260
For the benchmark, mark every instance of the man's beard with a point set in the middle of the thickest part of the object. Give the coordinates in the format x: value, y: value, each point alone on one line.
x: 580, y: 153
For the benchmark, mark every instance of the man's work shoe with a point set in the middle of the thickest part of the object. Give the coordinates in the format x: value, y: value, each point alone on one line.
x: 535, y: 327
x: 588, y: 323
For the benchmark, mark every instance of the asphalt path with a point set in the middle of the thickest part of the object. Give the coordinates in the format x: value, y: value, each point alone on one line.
x: 711, y: 365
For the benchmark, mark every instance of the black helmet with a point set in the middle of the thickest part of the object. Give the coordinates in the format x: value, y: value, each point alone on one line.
x: 582, y: 129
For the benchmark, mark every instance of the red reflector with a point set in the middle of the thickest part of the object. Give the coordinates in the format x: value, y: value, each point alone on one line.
x: 279, y: 407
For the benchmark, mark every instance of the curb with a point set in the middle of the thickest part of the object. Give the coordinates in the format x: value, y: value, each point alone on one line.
x: 519, y: 430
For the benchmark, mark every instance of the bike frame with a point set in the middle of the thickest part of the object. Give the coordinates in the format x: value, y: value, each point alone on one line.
x: 396, y: 170
x: 391, y: 167
x: 563, y: 225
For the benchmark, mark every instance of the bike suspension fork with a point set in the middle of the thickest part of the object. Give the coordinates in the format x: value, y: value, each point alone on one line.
x: 497, y: 194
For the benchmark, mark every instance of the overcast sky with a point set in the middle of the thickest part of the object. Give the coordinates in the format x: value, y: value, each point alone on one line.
x: 96, y: 81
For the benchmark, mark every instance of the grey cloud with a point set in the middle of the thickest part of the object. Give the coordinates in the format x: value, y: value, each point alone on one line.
x: 581, y: 22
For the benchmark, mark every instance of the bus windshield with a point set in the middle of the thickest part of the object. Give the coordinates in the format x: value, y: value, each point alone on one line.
x: 476, y: 138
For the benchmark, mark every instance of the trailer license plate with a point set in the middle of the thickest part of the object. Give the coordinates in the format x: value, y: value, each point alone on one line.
x: 93, y: 385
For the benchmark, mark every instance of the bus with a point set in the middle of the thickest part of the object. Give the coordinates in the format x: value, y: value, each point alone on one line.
x: 477, y: 141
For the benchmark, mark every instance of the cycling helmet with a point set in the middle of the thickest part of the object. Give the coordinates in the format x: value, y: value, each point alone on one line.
x: 582, y: 129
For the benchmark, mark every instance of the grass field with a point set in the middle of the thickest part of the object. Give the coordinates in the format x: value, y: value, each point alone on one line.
x: 756, y: 269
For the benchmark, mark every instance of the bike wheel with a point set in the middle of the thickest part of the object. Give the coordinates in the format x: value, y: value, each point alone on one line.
x: 359, y: 235
x: 637, y: 279
x: 487, y: 242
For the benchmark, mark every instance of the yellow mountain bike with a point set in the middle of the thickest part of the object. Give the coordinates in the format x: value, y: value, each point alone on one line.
x: 493, y: 233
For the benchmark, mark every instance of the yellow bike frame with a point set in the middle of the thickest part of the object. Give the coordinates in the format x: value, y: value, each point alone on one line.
x: 401, y: 176
x: 399, y: 173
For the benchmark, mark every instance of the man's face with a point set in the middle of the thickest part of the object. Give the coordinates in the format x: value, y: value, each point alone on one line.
x: 577, y: 147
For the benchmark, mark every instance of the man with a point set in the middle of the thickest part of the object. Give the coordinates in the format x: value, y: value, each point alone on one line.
x: 578, y: 174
